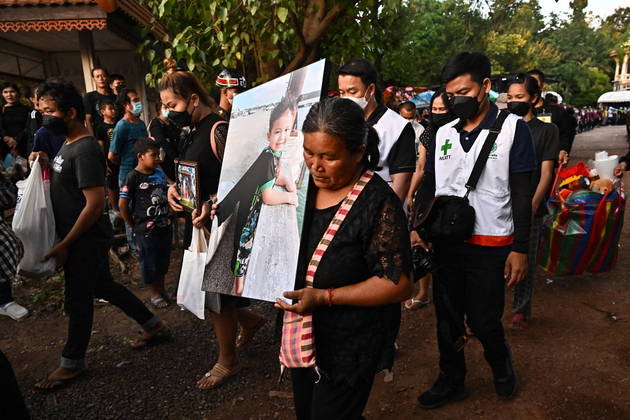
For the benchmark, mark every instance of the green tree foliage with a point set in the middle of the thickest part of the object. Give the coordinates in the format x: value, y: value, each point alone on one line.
x: 408, y: 40
x: 261, y: 38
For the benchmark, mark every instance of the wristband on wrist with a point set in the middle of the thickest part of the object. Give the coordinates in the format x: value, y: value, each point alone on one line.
x: 331, y: 292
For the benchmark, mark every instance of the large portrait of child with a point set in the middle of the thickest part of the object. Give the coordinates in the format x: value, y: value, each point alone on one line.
x: 255, y: 237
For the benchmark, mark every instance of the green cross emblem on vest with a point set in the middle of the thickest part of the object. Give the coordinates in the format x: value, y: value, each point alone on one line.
x: 446, y: 147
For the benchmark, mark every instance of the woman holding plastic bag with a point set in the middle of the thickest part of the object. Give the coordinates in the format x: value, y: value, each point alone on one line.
x: 11, y: 251
x: 188, y: 105
x: 34, y: 222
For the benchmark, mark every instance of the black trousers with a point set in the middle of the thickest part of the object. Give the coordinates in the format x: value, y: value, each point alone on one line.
x: 469, y: 286
x: 5, y: 292
x: 87, y: 276
x: 12, y: 406
x: 327, y: 400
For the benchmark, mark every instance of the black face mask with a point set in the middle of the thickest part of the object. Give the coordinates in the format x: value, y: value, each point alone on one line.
x: 465, y: 107
x: 440, y: 119
x: 519, y: 108
x: 181, y: 119
x: 55, y: 125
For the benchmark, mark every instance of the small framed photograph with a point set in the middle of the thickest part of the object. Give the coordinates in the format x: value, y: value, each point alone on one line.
x: 188, y: 184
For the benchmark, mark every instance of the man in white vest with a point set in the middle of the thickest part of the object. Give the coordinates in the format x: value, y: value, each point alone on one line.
x: 358, y: 81
x: 469, y: 283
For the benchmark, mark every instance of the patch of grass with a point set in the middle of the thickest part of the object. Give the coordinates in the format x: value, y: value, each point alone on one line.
x: 49, y: 293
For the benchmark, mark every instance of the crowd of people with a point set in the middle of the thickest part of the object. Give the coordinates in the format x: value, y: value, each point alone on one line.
x: 396, y: 189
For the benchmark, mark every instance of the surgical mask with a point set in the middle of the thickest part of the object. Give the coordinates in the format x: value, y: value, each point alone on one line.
x: 165, y: 113
x: 465, y: 107
x: 519, y: 108
x: 137, y: 109
x: 55, y: 125
x: 362, y: 102
x: 441, y: 119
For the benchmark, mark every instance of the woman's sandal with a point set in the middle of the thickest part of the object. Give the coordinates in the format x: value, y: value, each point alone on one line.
x: 414, y: 304
x: 159, y: 302
x: 158, y: 335
x: 247, y: 334
x: 221, y: 375
x: 57, y: 383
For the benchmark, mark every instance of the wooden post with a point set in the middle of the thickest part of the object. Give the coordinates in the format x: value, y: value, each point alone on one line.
x: 86, y: 47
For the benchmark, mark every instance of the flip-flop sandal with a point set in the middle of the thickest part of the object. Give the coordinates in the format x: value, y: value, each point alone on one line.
x: 157, y: 337
x: 159, y: 302
x: 59, y: 383
x: 247, y: 334
x: 417, y: 303
x: 221, y: 373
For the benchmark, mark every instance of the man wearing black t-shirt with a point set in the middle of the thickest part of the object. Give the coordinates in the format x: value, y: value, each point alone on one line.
x: 78, y: 201
x: 358, y: 81
x: 92, y: 100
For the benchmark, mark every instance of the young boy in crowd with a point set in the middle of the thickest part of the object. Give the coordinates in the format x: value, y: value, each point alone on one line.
x: 78, y: 201
x: 144, y: 206
x: 127, y: 131
x: 104, y: 135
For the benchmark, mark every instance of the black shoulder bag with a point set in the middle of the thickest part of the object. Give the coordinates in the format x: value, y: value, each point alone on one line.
x: 451, y: 218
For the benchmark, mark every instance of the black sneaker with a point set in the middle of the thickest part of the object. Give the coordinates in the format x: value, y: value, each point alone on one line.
x: 505, y: 380
x: 441, y: 393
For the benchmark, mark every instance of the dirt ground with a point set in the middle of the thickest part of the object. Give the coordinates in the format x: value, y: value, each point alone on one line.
x: 573, y: 362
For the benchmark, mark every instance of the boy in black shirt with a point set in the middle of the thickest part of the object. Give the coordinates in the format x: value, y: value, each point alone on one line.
x: 78, y: 202
x: 144, y: 206
x: 104, y: 134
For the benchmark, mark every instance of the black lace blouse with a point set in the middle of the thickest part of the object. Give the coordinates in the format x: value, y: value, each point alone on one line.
x: 372, y: 241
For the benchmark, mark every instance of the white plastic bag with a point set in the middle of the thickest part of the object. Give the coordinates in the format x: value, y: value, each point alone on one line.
x: 189, y: 293
x: 34, y: 223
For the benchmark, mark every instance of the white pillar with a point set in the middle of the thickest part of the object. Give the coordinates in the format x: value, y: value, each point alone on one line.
x: 86, y: 47
x: 624, y: 67
x: 617, y: 68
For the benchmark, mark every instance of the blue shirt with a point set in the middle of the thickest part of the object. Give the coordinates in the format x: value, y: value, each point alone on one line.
x: 47, y: 142
x: 123, y: 140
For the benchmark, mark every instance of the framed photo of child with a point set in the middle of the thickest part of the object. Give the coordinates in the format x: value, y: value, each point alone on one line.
x: 261, y: 198
x: 188, y: 184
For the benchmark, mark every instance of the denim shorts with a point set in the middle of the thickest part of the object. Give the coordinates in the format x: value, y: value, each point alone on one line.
x: 154, y: 252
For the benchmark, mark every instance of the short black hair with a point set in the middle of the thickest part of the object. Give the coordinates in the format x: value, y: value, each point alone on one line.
x: 123, y: 98
x: 539, y: 73
x: 528, y: 81
x: 286, y: 104
x: 551, y: 98
x: 99, y: 68
x: 116, y: 76
x: 365, y: 70
x: 10, y: 85
x: 102, y: 104
x: 468, y: 62
x: 64, y: 94
x: 408, y: 106
x: 144, y: 144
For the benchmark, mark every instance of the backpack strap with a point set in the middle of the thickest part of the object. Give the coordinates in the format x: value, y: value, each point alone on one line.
x: 480, y: 163
x: 213, y: 141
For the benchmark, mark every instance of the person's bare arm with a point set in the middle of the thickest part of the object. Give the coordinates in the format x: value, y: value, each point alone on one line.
x: 400, y: 184
x: 375, y: 291
x: 89, y: 124
x: 113, y: 157
x: 93, y: 210
x: 416, y: 178
x: 546, y: 178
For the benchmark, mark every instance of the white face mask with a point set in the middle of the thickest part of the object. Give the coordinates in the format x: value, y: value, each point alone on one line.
x: 362, y: 102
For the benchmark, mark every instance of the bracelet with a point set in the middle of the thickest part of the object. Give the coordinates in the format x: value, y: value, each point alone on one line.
x: 331, y: 291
